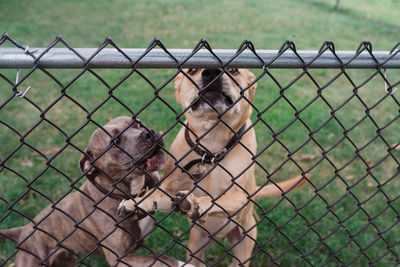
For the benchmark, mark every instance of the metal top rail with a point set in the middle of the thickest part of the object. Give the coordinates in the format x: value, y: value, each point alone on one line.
x: 12, y: 58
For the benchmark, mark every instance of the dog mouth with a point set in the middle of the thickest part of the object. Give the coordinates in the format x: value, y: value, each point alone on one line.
x: 213, y: 98
x: 154, y: 161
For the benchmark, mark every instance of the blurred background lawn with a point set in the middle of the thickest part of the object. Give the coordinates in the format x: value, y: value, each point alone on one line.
x: 360, y: 226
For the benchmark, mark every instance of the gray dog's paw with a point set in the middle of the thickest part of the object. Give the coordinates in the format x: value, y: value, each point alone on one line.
x: 127, y: 208
x: 124, y: 208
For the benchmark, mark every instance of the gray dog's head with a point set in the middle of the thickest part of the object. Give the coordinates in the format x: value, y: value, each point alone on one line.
x: 121, y: 146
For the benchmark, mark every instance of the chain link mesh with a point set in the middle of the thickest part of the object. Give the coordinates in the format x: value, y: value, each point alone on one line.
x: 339, y: 125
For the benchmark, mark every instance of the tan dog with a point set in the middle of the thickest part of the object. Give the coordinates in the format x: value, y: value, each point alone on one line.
x: 86, y: 221
x: 216, y: 177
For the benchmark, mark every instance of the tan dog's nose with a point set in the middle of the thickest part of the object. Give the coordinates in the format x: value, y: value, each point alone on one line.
x: 210, y: 74
x: 210, y: 80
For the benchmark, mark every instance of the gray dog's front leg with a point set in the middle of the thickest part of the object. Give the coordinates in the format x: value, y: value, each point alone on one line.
x: 148, y: 203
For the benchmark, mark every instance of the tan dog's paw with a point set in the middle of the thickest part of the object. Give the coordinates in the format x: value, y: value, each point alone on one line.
x: 189, y: 204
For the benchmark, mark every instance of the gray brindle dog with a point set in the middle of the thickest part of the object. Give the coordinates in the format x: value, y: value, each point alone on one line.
x: 81, y: 219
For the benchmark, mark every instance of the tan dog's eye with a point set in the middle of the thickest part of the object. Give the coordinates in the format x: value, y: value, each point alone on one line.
x: 192, y: 71
x: 233, y: 71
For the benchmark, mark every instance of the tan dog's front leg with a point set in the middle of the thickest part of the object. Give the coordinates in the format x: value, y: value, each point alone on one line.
x: 149, y: 203
x: 227, y: 205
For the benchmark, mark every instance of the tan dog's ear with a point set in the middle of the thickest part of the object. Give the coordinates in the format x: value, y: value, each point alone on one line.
x: 250, y: 78
x: 178, y: 81
x: 84, y: 163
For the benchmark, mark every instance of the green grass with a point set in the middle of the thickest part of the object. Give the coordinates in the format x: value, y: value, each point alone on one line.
x: 225, y: 24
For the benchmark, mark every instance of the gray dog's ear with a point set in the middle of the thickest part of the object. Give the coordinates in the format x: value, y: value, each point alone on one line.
x: 84, y: 163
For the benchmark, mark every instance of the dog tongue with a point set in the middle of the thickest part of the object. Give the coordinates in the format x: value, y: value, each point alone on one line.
x: 156, y: 162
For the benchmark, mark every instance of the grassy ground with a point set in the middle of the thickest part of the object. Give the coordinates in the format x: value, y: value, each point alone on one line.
x: 338, y: 234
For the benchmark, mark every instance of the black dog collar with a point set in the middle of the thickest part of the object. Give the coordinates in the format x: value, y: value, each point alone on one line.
x: 206, y: 156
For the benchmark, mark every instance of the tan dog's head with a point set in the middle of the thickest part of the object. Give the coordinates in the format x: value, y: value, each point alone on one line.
x: 118, y: 148
x: 213, y: 92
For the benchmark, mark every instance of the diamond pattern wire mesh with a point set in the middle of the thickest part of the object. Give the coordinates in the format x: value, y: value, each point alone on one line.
x: 340, y: 126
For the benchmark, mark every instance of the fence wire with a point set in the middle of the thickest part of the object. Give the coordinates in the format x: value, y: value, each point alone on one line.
x: 336, y: 129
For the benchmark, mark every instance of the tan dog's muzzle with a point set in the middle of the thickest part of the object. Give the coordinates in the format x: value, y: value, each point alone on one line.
x: 212, y: 91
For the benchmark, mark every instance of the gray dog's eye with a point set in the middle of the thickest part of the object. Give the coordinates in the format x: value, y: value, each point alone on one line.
x: 137, y: 124
x: 117, y: 141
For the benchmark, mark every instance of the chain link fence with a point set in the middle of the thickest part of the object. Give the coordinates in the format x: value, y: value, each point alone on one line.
x: 325, y: 120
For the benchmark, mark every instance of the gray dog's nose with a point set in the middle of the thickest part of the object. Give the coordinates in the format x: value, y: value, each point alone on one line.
x: 210, y: 74
x: 150, y: 136
x: 147, y: 135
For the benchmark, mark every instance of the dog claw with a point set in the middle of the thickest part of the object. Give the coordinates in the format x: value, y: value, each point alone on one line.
x: 196, y: 213
x: 121, y: 211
